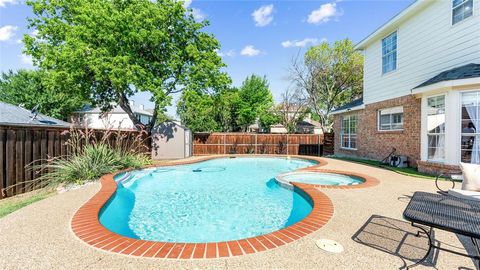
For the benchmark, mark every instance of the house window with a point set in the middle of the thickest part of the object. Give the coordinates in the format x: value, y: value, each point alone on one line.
x: 461, y: 9
x: 389, y: 53
x: 470, y: 147
x: 349, y: 132
x: 436, y: 128
x: 390, y: 119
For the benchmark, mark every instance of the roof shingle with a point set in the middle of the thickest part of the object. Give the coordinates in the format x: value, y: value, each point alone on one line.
x: 352, y: 104
x: 11, y: 114
x: 463, y: 72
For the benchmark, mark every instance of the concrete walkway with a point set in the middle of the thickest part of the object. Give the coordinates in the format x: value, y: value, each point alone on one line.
x: 367, y: 222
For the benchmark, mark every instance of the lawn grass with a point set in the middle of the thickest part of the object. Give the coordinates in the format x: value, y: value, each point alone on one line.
x: 12, y: 204
x: 374, y: 163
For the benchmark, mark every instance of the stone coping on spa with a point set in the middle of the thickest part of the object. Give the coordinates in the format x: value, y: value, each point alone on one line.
x: 368, y: 181
x: 86, y: 226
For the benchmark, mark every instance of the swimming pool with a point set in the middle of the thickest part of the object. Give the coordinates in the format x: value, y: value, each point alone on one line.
x: 320, y: 178
x: 211, y: 201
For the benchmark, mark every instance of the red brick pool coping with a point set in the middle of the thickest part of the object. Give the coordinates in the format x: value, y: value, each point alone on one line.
x: 87, y: 227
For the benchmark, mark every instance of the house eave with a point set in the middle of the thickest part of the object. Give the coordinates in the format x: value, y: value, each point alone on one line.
x: 447, y: 85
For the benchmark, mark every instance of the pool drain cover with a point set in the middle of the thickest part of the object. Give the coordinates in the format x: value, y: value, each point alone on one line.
x: 329, y: 245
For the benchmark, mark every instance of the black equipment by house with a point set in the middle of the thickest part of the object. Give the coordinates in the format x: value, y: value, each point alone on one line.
x: 395, y: 160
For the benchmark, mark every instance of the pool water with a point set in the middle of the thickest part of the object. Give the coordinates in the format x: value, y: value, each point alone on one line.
x: 211, y: 201
x: 320, y: 178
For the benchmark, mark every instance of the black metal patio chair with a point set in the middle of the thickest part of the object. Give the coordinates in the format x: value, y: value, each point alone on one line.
x: 455, y: 177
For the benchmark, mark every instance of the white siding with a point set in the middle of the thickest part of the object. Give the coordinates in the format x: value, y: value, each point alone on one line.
x: 427, y: 44
x: 111, y: 121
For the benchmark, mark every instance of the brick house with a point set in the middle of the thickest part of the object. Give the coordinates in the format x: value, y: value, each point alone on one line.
x: 421, y: 89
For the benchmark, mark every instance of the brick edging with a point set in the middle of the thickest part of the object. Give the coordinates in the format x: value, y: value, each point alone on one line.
x: 86, y: 226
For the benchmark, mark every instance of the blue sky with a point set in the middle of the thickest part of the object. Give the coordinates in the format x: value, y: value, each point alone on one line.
x: 257, y: 37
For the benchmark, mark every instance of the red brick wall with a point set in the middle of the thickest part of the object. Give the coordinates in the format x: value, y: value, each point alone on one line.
x: 437, y: 168
x: 374, y: 144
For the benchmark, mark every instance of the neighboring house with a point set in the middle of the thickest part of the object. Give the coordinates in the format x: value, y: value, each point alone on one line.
x: 306, y: 126
x: 421, y: 89
x: 15, y: 115
x: 117, y: 118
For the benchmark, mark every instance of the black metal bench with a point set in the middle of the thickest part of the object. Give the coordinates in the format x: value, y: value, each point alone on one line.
x: 445, y: 213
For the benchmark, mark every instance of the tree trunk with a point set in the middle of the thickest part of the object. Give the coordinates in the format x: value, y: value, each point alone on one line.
x: 125, y: 105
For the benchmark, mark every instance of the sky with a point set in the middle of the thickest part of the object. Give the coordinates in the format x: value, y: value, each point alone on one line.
x: 256, y: 37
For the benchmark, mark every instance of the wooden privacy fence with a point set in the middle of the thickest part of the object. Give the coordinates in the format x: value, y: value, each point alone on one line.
x: 248, y: 143
x: 21, y: 145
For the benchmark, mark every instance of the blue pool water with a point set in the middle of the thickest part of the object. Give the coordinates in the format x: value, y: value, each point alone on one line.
x: 320, y: 178
x: 211, y: 201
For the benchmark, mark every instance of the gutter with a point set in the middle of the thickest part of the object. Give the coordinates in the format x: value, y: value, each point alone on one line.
x: 356, y: 108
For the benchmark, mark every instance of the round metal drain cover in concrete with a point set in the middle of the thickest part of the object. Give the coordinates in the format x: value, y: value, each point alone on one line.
x: 329, y: 245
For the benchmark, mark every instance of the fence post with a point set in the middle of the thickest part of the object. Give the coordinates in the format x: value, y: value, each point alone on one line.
x: 224, y: 143
x: 287, y: 144
x: 256, y: 135
x: 319, y: 145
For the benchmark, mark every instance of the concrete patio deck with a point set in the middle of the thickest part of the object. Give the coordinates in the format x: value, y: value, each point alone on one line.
x: 367, y: 222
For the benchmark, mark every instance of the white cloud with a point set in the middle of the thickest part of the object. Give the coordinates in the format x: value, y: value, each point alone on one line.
x: 263, y: 16
x: 230, y: 53
x: 198, y: 14
x: 250, y: 51
x: 3, y: 3
x: 324, y: 14
x: 26, y: 59
x: 7, y: 32
x: 301, y: 43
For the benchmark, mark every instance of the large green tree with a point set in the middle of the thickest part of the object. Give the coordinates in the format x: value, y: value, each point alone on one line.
x: 26, y: 87
x: 110, y: 50
x: 209, y: 112
x: 227, y: 104
x: 330, y: 75
x: 256, y: 102
x: 197, y: 111
x: 229, y: 110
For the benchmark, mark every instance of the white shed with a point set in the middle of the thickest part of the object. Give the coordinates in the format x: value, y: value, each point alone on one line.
x: 170, y: 140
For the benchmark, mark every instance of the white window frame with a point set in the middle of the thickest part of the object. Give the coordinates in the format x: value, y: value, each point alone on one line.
x: 390, y: 111
x: 442, y: 160
x: 393, y: 52
x: 460, y: 119
x: 459, y: 6
x: 349, y: 116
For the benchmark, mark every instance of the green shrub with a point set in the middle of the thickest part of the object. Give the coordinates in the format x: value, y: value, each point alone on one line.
x: 90, y: 164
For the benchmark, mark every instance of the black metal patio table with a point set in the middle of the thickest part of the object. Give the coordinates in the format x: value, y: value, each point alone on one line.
x: 447, y: 213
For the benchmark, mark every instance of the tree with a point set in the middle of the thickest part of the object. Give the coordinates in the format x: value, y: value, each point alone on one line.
x: 330, y: 76
x: 268, y: 118
x: 292, y: 109
x: 227, y: 104
x: 197, y: 111
x: 209, y: 112
x: 255, y: 100
x: 229, y: 109
x: 110, y: 50
x: 26, y: 88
